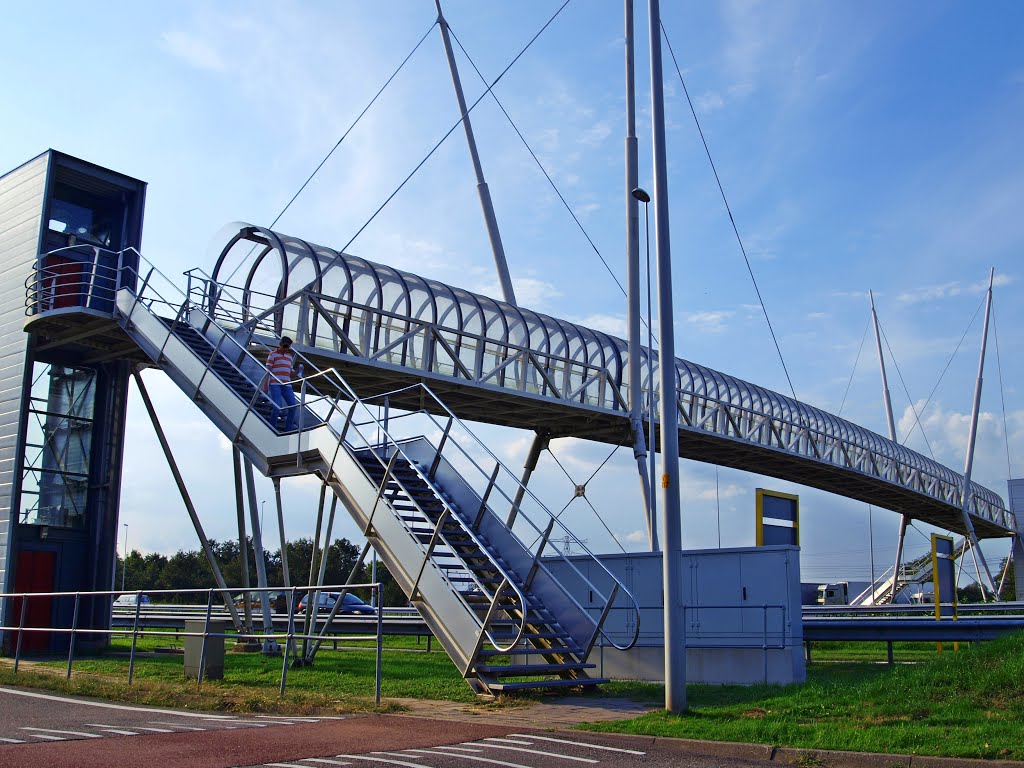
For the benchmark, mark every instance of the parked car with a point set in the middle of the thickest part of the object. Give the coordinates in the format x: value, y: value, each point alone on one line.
x: 132, y: 599
x: 350, y: 606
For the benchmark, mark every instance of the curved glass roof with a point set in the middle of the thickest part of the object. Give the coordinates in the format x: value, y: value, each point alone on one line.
x: 270, y: 266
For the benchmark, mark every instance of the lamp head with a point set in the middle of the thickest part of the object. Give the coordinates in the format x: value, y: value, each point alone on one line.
x: 641, y: 195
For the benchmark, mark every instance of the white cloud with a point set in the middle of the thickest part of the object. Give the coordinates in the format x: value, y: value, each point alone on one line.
x: 711, y: 321
x: 635, y: 537
x: 614, y: 325
x: 950, y: 290
x: 596, y: 134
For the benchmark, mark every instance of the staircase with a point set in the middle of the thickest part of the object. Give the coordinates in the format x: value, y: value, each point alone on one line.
x: 481, y: 589
x: 917, y: 571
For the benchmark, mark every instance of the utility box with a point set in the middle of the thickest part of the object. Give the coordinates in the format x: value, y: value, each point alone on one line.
x: 212, y: 663
x: 741, y: 614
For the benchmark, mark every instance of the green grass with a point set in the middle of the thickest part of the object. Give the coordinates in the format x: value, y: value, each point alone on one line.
x: 966, y: 704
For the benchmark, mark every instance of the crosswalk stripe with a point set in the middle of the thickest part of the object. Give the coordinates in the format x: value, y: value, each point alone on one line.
x: 537, y: 752
x: 470, y: 757
x: 179, y: 725
x: 83, y: 734
x: 386, y: 760
x: 579, y: 743
x: 47, y: 737
x: 324, y: 760
x: 13, y: 741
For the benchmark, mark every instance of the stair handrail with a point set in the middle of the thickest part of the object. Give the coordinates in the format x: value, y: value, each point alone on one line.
x: 343, y: 385
x: 615, y: 580
x: 396, y: 445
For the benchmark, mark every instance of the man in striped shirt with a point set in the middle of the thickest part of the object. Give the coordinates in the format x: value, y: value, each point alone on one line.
x: 281, y: 367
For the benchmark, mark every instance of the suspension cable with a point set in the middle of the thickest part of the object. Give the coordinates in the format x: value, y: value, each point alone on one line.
x: 338, y: 144
x: 854, y: 371
x: 941, y: 375
x: 456, y: 125
x: 1002, y: 398
x: 917, y: 417
x: 539, y: 163
x: 728, y: 210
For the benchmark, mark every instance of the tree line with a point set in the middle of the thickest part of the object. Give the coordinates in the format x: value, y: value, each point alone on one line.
x: 190, y: 570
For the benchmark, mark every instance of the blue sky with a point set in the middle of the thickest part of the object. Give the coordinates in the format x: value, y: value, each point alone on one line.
x: 862, y: 146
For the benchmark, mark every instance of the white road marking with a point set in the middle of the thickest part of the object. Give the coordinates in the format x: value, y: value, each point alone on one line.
x: 470, y: 757
x: 292, y: 719
x: 66, y: 700
x: 386, y: 760
x: 324, y: 760
x: 579, y: 743
x: 13, y: 741
x: 112, y: 729
x: 517, y: 742
x: 83, y: 734
x: 45, y: 736
x: 237, y: 722
x: 537, y: 752
x: 178, y: 725
x: 286, y: 765
x: 462, y: 749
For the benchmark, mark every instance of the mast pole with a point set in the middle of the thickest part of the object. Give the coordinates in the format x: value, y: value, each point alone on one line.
x: 481, y: 185
x: 901, y: 537
x: 969, y: 464
x: 633, y: 285
x: 671, y: 524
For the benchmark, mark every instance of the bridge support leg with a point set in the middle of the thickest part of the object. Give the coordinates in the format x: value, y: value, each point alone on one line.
x: 312, y: 598
x: 540, y: 442
x: 899, y: 561
x: 1017, y: 555
x: 187, y: 500
x: 243, y: 544
x: 270, y: 647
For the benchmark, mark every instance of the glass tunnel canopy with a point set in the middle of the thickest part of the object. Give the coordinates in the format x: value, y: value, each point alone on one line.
x: 266, y: 267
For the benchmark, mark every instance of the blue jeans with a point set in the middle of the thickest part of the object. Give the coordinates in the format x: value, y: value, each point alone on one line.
x: 283, y: 395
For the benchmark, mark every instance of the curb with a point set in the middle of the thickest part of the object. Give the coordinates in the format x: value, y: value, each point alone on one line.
x: 825, y: 758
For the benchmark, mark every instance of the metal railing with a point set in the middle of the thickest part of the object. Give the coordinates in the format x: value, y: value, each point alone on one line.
x: 19, y: 602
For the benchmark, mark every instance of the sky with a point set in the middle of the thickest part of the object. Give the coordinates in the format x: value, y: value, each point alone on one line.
x: 860, y: 145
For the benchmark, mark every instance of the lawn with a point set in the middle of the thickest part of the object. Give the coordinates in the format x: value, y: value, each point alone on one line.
x: 965, y: 704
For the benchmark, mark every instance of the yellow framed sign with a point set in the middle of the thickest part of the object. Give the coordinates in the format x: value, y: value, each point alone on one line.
x: 778, y: 518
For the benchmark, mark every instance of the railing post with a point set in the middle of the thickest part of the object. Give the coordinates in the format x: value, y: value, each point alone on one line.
x: 21, y: 632
x: 430, y: 550
x: 206, y: 631
x: 440, y: 447
x: 380, y: 642
x: 74, y: 629
x: 289, y: 640
x: 135, y: 638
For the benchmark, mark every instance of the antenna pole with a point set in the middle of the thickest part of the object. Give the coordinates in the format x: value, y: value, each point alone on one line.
x: 481, y: 185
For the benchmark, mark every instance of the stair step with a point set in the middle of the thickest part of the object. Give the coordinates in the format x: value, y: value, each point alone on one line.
x: 534, y: 684
x: 532, y: 669
x: 531, y: 652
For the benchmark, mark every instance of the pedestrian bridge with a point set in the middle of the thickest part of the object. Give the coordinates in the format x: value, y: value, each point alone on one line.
x: 384, y: 329
x: 493, y: 362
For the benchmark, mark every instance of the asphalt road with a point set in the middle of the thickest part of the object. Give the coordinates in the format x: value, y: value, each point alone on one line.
x: 41, y: 729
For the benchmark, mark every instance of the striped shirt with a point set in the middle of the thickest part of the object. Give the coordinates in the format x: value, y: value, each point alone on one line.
x: 280, y: 365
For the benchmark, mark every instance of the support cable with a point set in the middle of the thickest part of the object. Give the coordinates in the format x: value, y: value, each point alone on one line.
x: 1002, y: 397
x: 917, y: 416
x: 854, y: 371
x: 728, y: 210
x: 451, y: 130
x: 538, y: 162
x: 948, y: 363
x: 338, y: 144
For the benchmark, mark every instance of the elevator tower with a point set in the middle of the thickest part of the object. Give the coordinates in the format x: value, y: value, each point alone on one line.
x: 63, y: 383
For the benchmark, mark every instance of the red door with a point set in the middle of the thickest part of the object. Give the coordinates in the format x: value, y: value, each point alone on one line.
x: 34, y: 573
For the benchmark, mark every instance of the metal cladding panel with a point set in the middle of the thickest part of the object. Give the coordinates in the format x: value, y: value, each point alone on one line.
x: 22, y: 193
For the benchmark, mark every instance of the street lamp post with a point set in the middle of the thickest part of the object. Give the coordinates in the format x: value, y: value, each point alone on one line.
x: 643, y: 197
x: 124, y: 564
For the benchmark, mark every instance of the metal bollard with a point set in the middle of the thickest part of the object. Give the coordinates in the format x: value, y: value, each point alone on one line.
x: 21, y: 632
x: 380, y: 641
